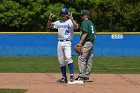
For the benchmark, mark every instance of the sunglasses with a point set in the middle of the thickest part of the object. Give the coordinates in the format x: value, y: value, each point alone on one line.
x: 63, y: 13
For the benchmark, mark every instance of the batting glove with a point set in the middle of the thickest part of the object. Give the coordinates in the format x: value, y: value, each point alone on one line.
x: 70, y: 16
x: 51, y: 16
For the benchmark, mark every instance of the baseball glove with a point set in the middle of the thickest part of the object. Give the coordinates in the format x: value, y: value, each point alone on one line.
x: 78, y: 49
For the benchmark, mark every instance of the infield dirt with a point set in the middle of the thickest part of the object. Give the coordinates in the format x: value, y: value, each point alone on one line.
x: 46, y: 83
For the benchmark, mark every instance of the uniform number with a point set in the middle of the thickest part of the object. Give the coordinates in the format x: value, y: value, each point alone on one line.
x: 92, y: 28
x: 66, y: 32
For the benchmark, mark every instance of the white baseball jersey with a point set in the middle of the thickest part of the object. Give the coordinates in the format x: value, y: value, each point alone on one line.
x: 65, y: 29
x: 65, y: 32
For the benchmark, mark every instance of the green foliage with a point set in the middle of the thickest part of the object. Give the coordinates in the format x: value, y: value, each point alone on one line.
x: 32, y: 15
x: 116, y: 15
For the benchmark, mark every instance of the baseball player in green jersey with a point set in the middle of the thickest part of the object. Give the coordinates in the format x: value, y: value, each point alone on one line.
x: 87, y: 38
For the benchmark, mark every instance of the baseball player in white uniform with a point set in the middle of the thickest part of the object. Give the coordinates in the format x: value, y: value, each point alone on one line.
x: 65, y: 28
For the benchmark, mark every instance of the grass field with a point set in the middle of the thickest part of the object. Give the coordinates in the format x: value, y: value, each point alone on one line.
x: 12, y: 91
x: 43, y: 64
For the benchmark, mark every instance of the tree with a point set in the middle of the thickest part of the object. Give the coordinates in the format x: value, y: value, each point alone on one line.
x: 32, y: 15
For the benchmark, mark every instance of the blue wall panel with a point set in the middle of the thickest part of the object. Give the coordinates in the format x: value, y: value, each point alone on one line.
x: 129, y: 45
x: 46, y: 44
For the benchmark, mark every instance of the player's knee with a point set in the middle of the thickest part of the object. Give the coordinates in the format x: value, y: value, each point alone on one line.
x: 69, y: 60
x: 62, y: 64
x: 82, y: 59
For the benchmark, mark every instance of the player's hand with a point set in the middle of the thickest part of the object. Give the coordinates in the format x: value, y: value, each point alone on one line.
x: 70, y: 15
x: 51, y: 16
x: 78, y: 49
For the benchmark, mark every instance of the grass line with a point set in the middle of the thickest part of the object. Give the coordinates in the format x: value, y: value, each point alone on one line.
x: 44, y: 64
x: 13, y: 90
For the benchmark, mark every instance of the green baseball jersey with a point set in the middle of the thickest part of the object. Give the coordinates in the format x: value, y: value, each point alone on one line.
x: 88, y: 27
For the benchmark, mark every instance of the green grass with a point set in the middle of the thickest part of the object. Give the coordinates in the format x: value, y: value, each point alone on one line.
x: 42, y: 64
x: 12, y: 90
x: 128, y: 65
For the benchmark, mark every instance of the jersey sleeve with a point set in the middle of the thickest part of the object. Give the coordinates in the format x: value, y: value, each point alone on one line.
x: 55, y: 25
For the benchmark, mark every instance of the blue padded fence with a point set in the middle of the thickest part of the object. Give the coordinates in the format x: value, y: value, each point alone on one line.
x: 46, y: 45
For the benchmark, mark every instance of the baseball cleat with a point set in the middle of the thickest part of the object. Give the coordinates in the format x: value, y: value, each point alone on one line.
x: 72, y: 78
x: 86, y: 78
x: 62, y: 80
x: 80, y: 78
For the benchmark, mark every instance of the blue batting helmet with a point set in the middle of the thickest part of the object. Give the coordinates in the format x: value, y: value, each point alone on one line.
x: 64, y: 10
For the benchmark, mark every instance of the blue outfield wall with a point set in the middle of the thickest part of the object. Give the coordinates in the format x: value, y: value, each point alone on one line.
x: 46, y: 45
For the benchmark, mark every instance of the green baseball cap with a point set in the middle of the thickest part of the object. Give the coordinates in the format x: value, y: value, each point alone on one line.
x: 84, y: 12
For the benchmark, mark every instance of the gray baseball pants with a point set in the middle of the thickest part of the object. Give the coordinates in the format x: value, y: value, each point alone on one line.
x: 85, y: 60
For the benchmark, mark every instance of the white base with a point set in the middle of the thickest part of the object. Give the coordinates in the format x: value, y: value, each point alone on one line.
x: 75, y: 82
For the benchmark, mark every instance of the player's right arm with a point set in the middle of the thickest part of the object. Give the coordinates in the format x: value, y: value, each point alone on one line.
x: 52, y: 25
x: 83, y: 37
x: 49, y: 24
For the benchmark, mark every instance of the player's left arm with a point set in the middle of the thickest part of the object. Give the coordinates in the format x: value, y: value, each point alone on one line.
x: 75, y: 25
